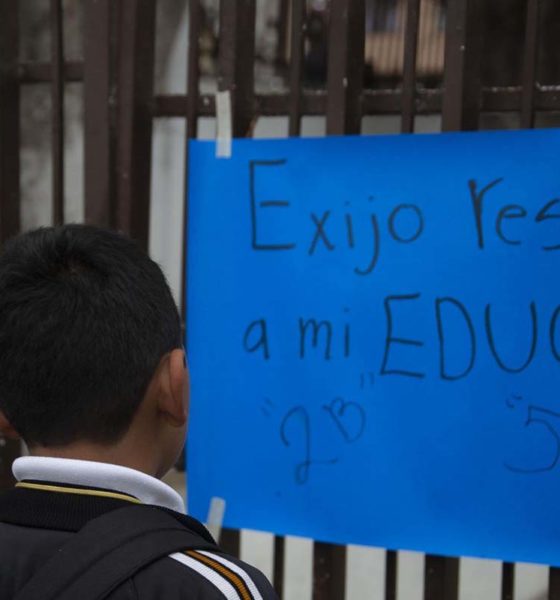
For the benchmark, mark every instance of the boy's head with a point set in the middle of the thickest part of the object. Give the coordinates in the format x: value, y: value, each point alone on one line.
x: 88, y: 330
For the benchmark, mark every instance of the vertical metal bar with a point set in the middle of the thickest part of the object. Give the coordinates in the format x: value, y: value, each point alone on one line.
x: 282, y: 31
x: 236, y: 75
x: 98, y: 108
x: 191, y: 113
x: 230, y: 542
x: 278, y: 575
x: 463, y: 44
x: 345, y: 66
x: 9, y: 168
x: 329, y: 571
x: 57, y: 103
x: 191, y: 132
x: 530, y: 58
x: 441, y: 578
x: 453, y: 76
x: 344, y: 90
x: 554, y: 584
x: 9, y: 451
x: 400, y: 25
x: 9, y: 120
x: 236, y: 61
x: 193, y: 71
x: 384, y: 50
x: 409, y: 65
x: 135, y: 99
x: 391, y: 568
x: 461, y: 108
x: 508, y: 581
x: 297, y: 24
x: 431, y: 31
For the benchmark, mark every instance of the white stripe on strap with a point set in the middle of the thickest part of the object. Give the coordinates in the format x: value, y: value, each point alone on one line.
x: 212, y: 576
x: 236, y: 569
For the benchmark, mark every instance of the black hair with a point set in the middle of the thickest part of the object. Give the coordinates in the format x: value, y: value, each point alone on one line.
x: 85, y: 318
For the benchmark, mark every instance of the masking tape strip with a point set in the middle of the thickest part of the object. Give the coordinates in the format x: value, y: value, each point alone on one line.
x: 216, y: 517
x: 223, y: 124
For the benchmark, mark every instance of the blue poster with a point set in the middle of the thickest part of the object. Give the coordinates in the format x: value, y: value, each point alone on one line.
x: 374, y: 338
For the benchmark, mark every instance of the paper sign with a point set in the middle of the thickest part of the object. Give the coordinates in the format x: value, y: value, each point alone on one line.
x: 374, y: 337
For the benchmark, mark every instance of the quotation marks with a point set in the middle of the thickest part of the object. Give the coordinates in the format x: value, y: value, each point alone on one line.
x: 367, y: 379
x: 267, y: 407
x: 512, y: 400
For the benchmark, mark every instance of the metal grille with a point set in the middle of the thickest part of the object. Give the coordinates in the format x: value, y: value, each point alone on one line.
x: 424, y: 57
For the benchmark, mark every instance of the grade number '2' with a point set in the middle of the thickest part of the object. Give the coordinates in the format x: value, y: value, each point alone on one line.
x: 296, y: 429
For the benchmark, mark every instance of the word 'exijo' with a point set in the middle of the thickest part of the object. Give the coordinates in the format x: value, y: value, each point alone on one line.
x: 404, y: 224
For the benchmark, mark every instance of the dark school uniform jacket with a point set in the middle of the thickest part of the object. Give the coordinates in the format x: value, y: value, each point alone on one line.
x: 38, y: 517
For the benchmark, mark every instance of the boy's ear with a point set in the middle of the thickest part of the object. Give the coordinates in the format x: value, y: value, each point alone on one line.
x: 6, y: 428
x: 175, y: 401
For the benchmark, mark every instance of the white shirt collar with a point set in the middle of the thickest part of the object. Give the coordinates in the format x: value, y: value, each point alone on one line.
x: 148, y: 490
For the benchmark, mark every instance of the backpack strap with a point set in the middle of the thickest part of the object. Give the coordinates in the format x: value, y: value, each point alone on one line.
x: 109, y: 550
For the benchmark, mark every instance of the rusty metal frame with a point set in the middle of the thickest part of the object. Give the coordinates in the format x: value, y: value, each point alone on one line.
x: 9, y: 120
x: 441, y: 578
x: 553, y: 584
x: 237, y: 51
x: 344, y: 114
x: 136, y: 39
x: 99, y: 113
x: 120, y: 105
x: 530, y: 64
x: 9, y: 167
x: 409, y: 65
x: 508, y: 581
x: 463, y: 45
x: 57, y: 104
x: 191, y: 114
x: 297, y: 24
x: 374, y: 102
x: 345, y: 67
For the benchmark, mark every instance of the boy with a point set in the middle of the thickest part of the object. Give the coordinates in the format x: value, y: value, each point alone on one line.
x: 93, y: 377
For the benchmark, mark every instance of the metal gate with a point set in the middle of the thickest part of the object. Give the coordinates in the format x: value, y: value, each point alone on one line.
x: 117, y: 75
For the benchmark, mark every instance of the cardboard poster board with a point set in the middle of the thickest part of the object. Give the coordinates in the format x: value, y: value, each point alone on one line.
x: 374, y: 339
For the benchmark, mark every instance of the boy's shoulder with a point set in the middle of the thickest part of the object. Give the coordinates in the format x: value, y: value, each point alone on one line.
x: 204, y: 575
x: 189, y: 575
x: 37, y: 522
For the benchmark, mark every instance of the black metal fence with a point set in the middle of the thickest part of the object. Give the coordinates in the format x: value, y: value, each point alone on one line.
x: 117, y: 74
